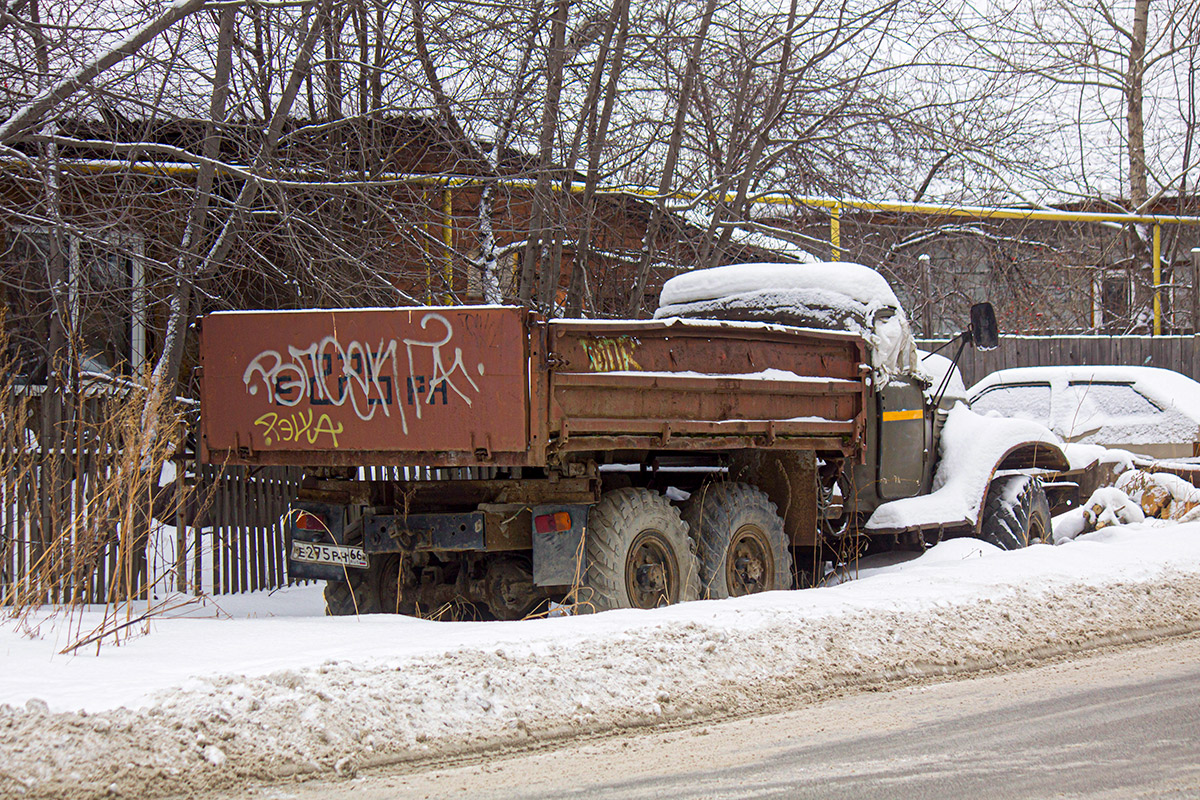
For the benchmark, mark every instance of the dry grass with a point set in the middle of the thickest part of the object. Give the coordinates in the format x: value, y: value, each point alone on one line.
x: 80, y: 477
x: 574, y: 598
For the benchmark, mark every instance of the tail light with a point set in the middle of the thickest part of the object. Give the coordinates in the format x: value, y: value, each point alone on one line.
x: 307, y: 521
x: 552, y: 523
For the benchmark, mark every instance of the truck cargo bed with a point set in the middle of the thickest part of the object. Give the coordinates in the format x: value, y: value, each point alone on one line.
x: 497, y: 386
x: 683, y: 384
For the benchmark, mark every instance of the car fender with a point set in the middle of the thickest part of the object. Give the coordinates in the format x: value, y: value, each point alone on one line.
x: 971, y: 450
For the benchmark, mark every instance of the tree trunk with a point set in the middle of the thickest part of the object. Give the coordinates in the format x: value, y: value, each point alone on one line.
x: 774, y: 107
x: 166, y: 369
x: 537, y: 287
x: 586, y: 121
x: 597, y: 138
x: 489, y: 267
x: 638, y: 292
x: 1134, y: 97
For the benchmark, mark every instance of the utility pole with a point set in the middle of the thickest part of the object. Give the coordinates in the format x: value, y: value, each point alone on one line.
x: 927, y: 295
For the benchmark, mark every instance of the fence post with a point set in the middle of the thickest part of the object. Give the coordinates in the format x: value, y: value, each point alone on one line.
x: 180, y: 524
x: 1195, y: 290
x: 927, y: 290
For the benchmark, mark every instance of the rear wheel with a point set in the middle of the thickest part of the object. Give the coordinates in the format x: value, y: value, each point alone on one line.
x: 639, y: 554
x: 1016, y: 513
x: 374, y: 590
x: 740, y: 540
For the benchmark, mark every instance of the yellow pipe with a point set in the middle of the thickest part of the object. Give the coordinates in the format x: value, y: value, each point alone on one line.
x: 448, y: 242
x: 835, y: 233
x: 446, y: 181
x: 1157, y: 280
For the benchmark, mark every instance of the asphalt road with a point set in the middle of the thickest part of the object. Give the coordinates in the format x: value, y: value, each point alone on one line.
x: 1120, y: 724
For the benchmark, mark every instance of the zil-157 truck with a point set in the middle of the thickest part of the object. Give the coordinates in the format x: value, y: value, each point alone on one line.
x: 772, y: 422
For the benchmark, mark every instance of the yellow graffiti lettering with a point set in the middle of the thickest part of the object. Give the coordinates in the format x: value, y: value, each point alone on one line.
x: 303, y: 425
x: 290, y: 429
x: 607, y: 355
x: 269, y: 419
x: 326, y: 425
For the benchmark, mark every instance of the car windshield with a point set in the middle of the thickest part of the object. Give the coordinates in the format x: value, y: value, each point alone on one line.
x: 1088, y: 405
x: 1022, y: 400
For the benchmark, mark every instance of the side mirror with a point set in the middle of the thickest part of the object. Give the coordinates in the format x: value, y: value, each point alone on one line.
x: 985, y: 334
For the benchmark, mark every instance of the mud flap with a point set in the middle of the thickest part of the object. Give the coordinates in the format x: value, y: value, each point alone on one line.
x: 558, y: 553
x: 319, y: 551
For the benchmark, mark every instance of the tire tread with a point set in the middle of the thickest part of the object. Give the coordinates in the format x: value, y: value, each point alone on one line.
x: 713, y: 514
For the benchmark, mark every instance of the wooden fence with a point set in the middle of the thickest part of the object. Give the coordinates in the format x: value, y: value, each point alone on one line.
x: 57, y: 528
x: 236, y: 541
x: 74, y: 528
x: 1170, y: 352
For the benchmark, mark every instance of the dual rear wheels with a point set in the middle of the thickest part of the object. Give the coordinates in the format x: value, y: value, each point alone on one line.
x: 740, y: 540
x: 642, y: 553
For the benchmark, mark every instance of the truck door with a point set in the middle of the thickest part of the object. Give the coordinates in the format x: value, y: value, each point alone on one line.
x: 902, y: 440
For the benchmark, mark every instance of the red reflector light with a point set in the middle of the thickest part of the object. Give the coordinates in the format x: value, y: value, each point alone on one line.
x: 552, y: 523
x: 309, y: 522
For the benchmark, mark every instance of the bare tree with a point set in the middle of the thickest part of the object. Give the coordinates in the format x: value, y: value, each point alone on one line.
x: 1107, y: 73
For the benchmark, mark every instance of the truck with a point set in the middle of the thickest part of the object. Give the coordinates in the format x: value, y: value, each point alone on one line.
x: 771, y: 423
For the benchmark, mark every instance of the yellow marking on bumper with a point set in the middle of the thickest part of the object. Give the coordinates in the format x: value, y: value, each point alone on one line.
x: 898, y: 416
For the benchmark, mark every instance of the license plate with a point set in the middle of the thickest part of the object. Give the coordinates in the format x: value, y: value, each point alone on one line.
x: 334, y: 554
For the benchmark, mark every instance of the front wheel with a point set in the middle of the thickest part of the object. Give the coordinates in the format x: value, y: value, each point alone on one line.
x: 639, y: 554
x: 1016, y: 513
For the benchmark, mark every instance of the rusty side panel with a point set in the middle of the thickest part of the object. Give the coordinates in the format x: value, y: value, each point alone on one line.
x: 661, y: 383
x: 367, y: 386
x: 539, y: 379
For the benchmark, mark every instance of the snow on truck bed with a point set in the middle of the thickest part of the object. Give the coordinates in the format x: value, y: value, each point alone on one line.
x: 860, y: 284
x: 829, y: 296
x: 274, y: 686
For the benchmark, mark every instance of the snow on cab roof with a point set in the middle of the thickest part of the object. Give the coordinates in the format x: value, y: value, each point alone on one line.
x: 855, y: 281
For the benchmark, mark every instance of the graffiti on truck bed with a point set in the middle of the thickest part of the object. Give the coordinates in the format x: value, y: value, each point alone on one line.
x: 298, y: 427
x: 362, y: 377
x: 610, y: 355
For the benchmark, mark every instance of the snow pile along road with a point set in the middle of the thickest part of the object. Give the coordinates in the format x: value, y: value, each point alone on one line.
x: 288, y: 698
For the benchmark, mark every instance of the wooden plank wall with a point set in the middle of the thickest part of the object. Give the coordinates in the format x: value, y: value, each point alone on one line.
x: 238, y: 535
x: 1170, y: 352
x: 59, y: 543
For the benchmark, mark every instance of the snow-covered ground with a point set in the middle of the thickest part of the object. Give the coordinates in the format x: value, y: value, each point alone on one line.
x: 268, y: 687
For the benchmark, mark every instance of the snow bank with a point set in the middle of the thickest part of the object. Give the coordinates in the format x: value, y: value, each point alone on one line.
x: 273, y: 696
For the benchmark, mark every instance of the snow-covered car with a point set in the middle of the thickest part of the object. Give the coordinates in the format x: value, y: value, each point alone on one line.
x: 1146, y: 410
